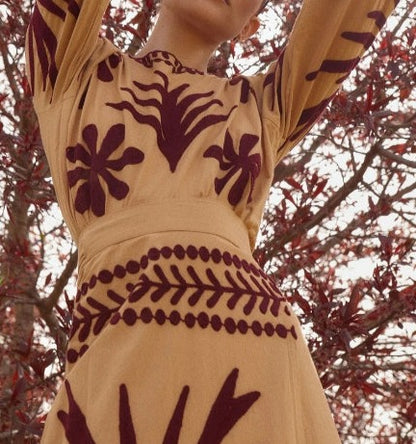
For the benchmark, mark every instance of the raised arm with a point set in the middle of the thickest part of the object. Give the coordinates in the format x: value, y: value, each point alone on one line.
x: 327, y: 42
x: 61, y: 37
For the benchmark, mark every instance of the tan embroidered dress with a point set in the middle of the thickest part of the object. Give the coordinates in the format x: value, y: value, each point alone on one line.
x: 161, y: 173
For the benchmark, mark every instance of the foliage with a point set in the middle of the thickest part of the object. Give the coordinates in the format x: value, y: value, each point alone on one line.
x: 343, y: 200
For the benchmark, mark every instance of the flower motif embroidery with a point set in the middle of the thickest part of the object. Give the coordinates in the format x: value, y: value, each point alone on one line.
x: 236, y: 162
x: 98, y: 165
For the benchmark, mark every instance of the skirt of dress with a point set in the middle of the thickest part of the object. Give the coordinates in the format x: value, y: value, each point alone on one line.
x: 181, y: 338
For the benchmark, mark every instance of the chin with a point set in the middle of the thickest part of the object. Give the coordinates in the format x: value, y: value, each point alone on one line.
x: 213, y: 19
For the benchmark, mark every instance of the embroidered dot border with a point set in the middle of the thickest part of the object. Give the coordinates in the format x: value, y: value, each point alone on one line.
x: 130, y: 318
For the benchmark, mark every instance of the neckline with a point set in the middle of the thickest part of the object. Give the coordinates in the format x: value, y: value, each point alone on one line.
x: 160, y: 56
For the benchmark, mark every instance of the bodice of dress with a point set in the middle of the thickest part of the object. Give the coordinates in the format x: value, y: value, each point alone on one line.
x: 150, y: 133
x: 127, y: 135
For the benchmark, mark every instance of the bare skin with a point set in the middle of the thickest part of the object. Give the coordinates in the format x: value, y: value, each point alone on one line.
x: 193, y: 29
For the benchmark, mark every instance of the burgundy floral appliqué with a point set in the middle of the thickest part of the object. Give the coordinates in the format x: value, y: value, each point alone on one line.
x: 225, y: 412
x: 233, y: 162
x: 182, y: 116
x: 104, y: 68
x: 97, y: 165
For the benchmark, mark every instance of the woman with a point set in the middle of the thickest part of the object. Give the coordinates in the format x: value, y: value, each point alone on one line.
x: 162, y: 172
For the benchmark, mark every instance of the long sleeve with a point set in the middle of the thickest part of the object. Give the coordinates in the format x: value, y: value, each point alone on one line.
x: 61, y: 37
x: 327, y: 41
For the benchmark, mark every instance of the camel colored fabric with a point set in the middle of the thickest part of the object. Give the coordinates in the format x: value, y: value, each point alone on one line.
x: 162, y: 173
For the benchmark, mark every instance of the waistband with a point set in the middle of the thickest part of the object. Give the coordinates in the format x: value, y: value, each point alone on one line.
x: 162, y: 217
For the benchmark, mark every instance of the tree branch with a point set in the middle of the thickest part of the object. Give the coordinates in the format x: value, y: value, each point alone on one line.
x: 287, y: 169
x: 49, y: 303
x: 396, y: 157
x: 334, y: 201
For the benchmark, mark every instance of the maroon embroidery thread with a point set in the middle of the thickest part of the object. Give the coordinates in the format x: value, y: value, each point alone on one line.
x: 104, y: 68
x: 196, y: 284
x: 126, y: 427
x: 248, y: 291
x: 178, y: 125
x: 346, y: 66
x: 225, y: 412
x: 233, y: 162
x: 179, y: 252
x: 46, y: 44
x: 98, y: 165
x: 246, y: 88
x: 308, y: 117
x: 153, y: 57
x: 74, y: 422
x: 204, y: 320
x: 175, y: 424
x: 46, y: 41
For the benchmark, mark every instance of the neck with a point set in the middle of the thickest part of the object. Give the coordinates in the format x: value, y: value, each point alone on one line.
x: 172, y: 35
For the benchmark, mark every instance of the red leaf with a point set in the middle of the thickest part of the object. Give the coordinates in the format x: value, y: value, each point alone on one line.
x: 320, y: 187
x: 323, y: 299
x: 314, y: 179
x: 48, y: 279
x: 315, y: 255
x: 411, y: 410
x: 386, y: 245
x: 399, y: 148
x: 288, y: 195
x: 352, y: 305
x: 309, y: 277
x: 369, y: 101
x: 23, y: 416
x: 405, y: 93
x: 18, y: 390
x: 296, y: 242
x: 372, y: 205
x: 303, y: 303
x: 294, y: 183
x: 369, y: 389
